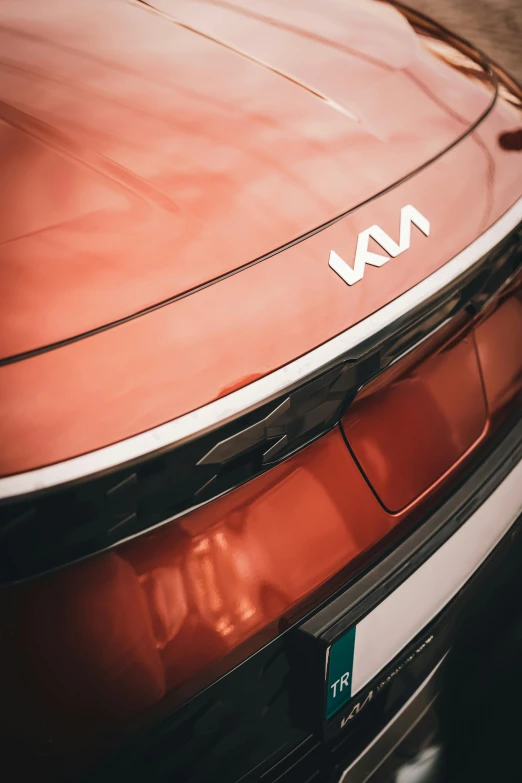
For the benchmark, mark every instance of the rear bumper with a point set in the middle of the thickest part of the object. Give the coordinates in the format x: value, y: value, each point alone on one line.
x: 494, y: 528
x: 388, y: 742
x: 399, y: 599
x: 259, y: 723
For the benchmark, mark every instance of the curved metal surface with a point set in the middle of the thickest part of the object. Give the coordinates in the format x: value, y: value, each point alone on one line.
x: 270, y: 386
x: 124, y: 184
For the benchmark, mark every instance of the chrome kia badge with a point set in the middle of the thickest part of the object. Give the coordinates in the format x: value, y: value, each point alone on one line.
x: 363, y: 256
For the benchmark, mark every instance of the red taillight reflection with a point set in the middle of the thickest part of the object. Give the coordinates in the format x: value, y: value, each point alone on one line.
x: 100, y: 642
x: 408, y: 429
x: 499, y: 346
x: 416, y: 422
x: 92, y: 648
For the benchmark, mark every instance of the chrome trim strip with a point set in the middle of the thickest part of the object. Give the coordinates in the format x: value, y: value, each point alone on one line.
x: 263, y: 390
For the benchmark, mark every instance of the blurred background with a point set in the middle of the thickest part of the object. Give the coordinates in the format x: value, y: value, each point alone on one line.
x: 495, y: 26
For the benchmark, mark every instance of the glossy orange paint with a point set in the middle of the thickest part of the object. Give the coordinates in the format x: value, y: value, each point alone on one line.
x: 93, y: 646
x: 499, y: 346
x: 412, y: 427
x: 134, y: 171
x: 101, y: 648
x: 133, y: 377
x: 131, y: 178
x: 415, y: 423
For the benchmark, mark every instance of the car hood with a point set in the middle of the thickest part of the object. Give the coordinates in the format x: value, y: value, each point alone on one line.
x: 147, y: 151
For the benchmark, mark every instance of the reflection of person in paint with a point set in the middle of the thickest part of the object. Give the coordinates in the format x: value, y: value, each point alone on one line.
x: 344, y: 684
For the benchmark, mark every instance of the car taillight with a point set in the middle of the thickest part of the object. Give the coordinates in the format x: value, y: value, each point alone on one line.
x: 95, y: 644
x: 98, y: 648
x: 499, y: 347
x: 411, y: 426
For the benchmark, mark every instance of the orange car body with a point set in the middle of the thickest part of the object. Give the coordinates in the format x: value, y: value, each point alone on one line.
x: 175, y: 177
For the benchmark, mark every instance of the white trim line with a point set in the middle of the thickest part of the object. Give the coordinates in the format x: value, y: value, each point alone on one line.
x: 388, y: 628
x: 248, y: 397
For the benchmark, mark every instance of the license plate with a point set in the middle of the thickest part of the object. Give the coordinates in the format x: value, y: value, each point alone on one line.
x: 339, y: 673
